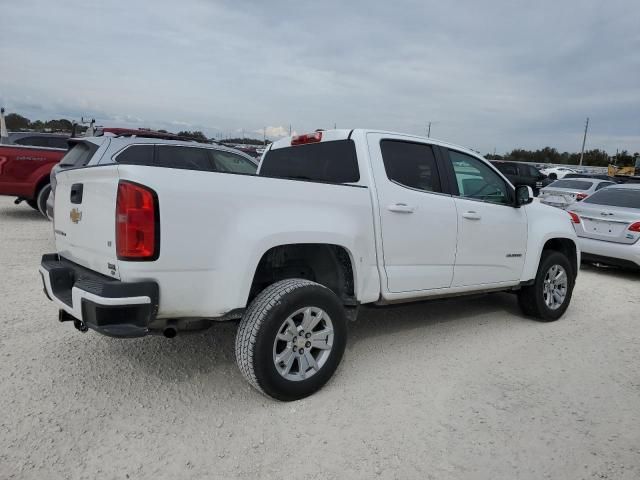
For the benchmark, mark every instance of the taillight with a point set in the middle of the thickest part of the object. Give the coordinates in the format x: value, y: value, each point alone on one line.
x: 581, y: 196
x: 634, y: 227
x: 574, y: 217
x: 314, y: 137
x: 137, y: 222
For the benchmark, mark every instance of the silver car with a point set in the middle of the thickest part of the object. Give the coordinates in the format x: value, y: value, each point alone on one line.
x: 562, y: 193
x: 608, y: 226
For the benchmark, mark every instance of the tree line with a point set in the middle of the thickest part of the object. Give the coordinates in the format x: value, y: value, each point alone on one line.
x: 15, y: 122
x: 595, y: 157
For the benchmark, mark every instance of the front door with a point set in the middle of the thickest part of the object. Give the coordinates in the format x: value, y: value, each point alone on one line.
x: 418, y: 222
x: 492, y: 233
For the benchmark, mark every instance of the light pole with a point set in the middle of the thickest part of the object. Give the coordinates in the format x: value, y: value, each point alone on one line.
x: 584, y: 139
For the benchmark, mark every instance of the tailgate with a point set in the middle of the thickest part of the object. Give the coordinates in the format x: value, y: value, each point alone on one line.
x: 84, y: 221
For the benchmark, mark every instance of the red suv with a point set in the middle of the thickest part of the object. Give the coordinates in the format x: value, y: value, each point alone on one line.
x: 25, y: 164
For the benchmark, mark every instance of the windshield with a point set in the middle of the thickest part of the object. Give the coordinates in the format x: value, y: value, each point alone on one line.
x: 616, y: 197
x: 572, y: 184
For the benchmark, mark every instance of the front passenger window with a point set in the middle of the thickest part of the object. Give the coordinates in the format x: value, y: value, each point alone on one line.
x: 478, y: 181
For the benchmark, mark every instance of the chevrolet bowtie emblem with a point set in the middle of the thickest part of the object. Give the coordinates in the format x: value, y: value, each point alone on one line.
x: 75, y: 215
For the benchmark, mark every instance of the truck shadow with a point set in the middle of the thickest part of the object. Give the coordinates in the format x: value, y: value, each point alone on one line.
x: 210, y: 354
x: 461, y: 311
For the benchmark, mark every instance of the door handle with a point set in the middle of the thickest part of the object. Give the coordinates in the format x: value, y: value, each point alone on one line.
x: 400, y: 208
x: 76, y: 193
x: 471, y: 215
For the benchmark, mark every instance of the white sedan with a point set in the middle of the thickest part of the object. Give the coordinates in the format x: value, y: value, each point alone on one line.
x: 608, y: 226
x: 559, y: 171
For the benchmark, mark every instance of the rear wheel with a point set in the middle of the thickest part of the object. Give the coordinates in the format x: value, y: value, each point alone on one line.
x: 291, y: 339
x: 549, y: 296
x: 41, y: 199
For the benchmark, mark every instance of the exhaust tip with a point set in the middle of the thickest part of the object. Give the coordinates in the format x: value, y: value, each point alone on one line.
x: 170, y: 332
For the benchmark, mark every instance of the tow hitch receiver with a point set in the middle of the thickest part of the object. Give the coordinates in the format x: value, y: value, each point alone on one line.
x: 65, y: 317
x: 80, y: 325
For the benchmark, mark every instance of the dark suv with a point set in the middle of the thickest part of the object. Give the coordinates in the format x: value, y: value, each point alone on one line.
x: 523, y: 174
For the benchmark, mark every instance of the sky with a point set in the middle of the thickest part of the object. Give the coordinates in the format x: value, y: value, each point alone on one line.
x: 492, y: 75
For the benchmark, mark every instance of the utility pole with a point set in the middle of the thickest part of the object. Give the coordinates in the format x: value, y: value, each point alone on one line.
x: 4, y: 135
x: 584, y: 139
x: 429, y: 130
x: 289, y: 129
x: 264, y: 136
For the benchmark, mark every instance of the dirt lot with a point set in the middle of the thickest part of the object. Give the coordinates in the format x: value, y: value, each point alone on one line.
x: 453, y: 389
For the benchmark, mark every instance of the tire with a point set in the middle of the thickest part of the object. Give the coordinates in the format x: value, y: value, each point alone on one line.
x: 272, y: 329
x: 33, y: 204
x: 533, y: 300
x: 41, y: 199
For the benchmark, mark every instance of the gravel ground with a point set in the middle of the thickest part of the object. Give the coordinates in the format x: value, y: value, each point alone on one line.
x: 459, y: 389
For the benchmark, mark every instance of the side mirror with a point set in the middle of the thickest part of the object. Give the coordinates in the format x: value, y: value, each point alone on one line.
x: 524, y: 195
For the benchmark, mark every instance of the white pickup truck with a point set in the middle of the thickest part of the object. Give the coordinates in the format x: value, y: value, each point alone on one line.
x: 332, y: 220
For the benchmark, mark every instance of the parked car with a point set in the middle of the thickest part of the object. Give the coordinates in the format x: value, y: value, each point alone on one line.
x: 562, y: 193
x: 25, y: 163
x: 157, y: 240
x: 558, y: 172
x: 608, y: 226
x: 522, y: 174
x: 593, y: 176
x: 85, y: 149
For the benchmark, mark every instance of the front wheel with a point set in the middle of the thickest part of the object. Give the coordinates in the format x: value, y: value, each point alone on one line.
x: 549, y: 296
x: 291, y: 339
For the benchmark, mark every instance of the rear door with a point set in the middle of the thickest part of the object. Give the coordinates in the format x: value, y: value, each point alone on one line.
x: 418, y: 221
x: 84, y: 221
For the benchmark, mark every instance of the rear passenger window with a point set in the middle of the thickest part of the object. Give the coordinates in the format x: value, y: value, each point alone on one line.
x: 230, y: 162
x: 189, y: 158
x: 411, y: 165
x: 137, y: 155
x: 507, y: 169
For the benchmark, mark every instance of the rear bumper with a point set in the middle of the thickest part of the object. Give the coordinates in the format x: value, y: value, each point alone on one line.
x: 611, y: 253
x: 106, y: 305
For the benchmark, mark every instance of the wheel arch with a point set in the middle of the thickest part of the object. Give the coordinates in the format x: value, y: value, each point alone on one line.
x: 328, y: 264
x: 565, y: 246
x: 560, y: 243
x: 41, y: 182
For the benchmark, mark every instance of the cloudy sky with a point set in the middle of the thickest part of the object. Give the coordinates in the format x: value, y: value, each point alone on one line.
x: 488, y: 75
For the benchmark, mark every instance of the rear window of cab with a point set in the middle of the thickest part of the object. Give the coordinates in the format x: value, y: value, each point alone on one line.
x: 331, y: 162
